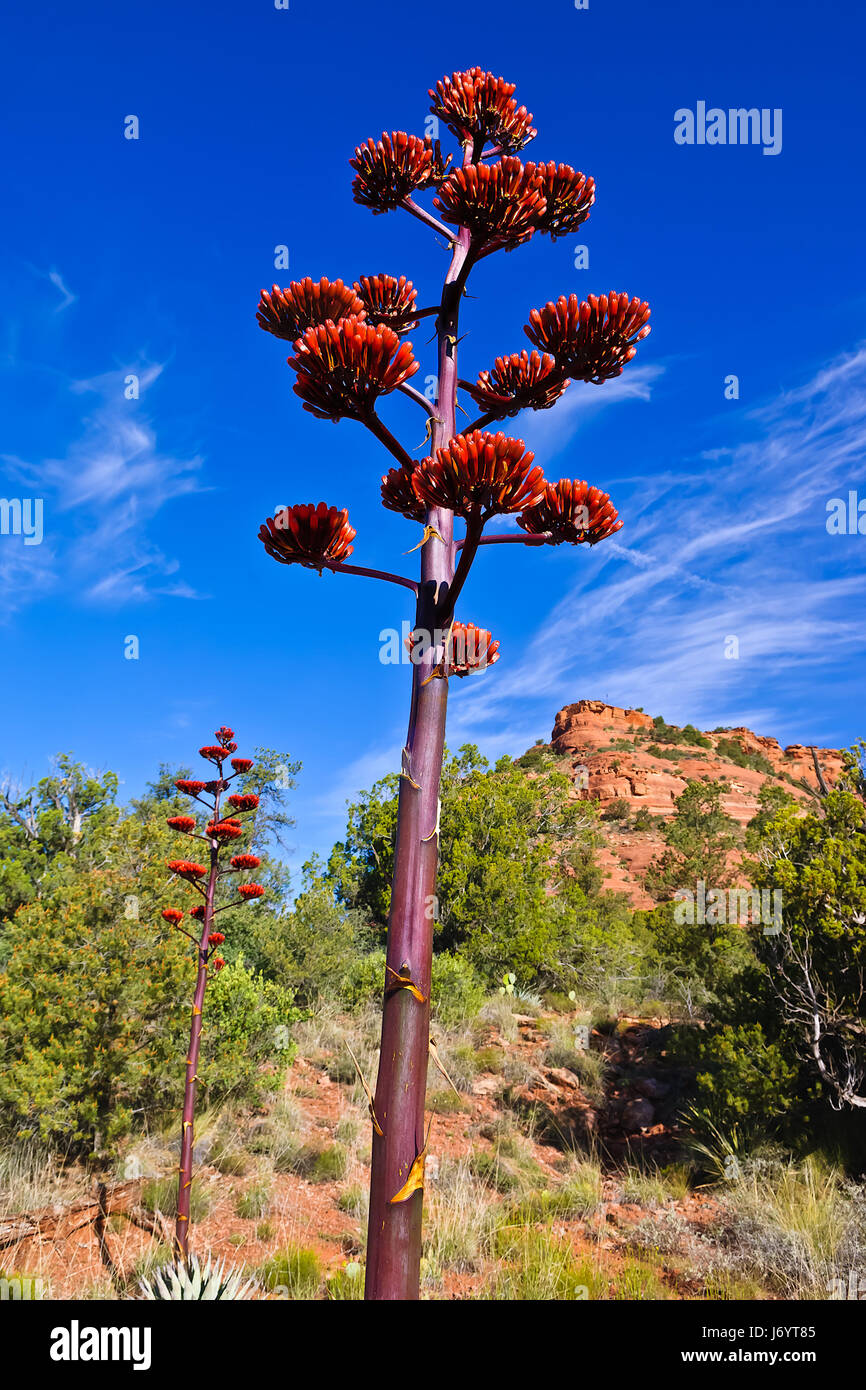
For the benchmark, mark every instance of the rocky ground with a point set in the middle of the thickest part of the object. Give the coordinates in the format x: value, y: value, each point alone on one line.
x: 506, y: 1148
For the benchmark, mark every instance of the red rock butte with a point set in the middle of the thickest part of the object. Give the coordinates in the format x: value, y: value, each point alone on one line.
x: 623, y: 755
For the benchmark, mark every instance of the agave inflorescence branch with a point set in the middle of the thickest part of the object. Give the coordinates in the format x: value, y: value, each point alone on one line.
x: 351, y: 352
x: 221, y: 832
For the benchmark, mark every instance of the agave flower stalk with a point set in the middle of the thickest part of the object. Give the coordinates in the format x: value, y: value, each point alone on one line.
x: 488, y: 201
x: 222, y: 831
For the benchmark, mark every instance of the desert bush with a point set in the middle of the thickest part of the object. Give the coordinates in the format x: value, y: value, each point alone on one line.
x: 795, y: 1226
x: 538, y: 1267
x: 459, y: 1218
x: 456, y: 992
x: 347, y: 1283
x: 254, y: 1202
x: 160, y: 1194
x: 293, y: 1272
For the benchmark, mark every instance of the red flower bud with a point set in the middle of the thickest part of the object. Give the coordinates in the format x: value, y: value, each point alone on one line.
x: 244, y: 801
x: 308, y: 535
x: 172, y: 914
x: 198, y: 912
x: 477, y: 106
x: 479, y: 474
x: 225, y: 830
x: 571, y: 511
x: 242, y: 764
x: 217, y: 962
x: 251, y: 890
x: 343, y: 368
x: 500, y: 203
x: 592, y: 339
x: 469, y: 649
x: 216, y: 938
x: 185, y: 869
x: 390, y: 169
x: 245, y: 861
x: 191, y: 788
x: 213, y: 752
x: 185, y: 824
x: 290, y: 312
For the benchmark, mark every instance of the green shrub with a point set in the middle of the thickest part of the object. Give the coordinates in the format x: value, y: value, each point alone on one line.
x: 322, y: 1165
x: 444, y: 1102
x: 364, y: 981
x: 457, y: 992
x: 346, y: 1283
x: 294, y: 1272
x: 743, y: 1080
x: 246, y: 1046
x: 160, y: 1194
x: 255, y: 1202
x: 733, y: 752
x: 353, y: 1200
x: 539, y: 1267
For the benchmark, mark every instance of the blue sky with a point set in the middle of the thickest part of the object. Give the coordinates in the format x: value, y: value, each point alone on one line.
x: 147, y: 257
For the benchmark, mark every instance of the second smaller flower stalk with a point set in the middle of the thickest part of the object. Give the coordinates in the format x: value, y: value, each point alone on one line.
x: 220, y: 831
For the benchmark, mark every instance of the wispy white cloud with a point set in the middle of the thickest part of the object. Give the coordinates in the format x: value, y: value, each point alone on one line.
x: 54, y: 277
x: 99, y: 499
x: 551, y: 431
x: 747, y: 555
x: 68, y: 298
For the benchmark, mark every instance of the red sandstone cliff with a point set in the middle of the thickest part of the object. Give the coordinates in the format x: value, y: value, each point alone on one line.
x: 607, y: 752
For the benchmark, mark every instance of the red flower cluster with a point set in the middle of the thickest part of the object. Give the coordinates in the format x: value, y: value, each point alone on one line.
x: 479, y: 474
x: 214, y: 753
x: 344, y: 367
x: 242, y: 764
x: 387, y: 300
x: 225, y: 735
x: 185, y: 784
x: 308, y: 535
x: 569, y: 197
x: 525, y: 380
x: 572, y: 511
x: 469, y: 649
x: 249, y: 891
x: 288, y: 313
x: 244, y: 801
x: 591, y: 340
x: 185, y: 824
x: 185, y: 869
x: 216, y: 938
x: 245, y: 861
x: 217, y: 962
x: 225, y: 830
x: 500, y: 203
x: 398, y: 494
x: 172, y: 914
x: 197, y: 912
x: 479, y: 107
x: 390, y: 169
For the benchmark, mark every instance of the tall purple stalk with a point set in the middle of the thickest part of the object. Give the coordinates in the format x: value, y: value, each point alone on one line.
x: 220, y: 831
x: 349, y: 349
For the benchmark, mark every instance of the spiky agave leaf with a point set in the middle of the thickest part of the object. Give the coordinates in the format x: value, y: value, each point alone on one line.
x: 187, y: 1281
